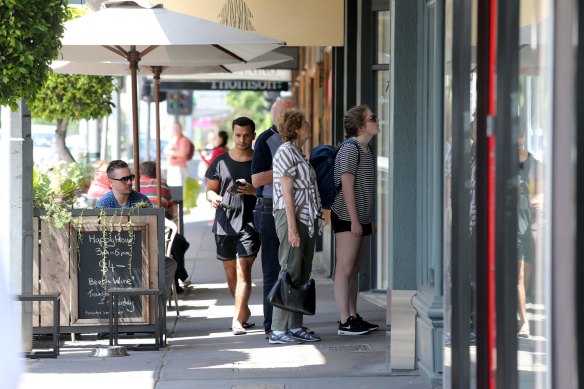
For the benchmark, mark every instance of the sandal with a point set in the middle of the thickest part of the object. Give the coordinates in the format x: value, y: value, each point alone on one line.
x: 523, y: 332
x: 248, y: 325
x: 238, y: 331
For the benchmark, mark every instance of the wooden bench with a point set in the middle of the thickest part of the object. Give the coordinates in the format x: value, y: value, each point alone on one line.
x: 55, y: 298
x: 159, y: 315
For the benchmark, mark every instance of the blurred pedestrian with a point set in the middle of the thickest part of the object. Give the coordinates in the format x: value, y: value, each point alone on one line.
x: 148, y: 185
x: 178, y: 150
x: 99, y: 185
x: 218, y: 149
x: 179, y: 245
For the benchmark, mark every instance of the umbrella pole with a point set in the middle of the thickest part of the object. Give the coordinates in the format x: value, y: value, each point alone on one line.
x: 134, y: 58
x: 156, y: 70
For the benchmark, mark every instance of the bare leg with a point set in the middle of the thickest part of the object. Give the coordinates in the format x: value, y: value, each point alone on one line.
x: 523, y: 323
x: 354, y: 283
x: 230, y: 275
x: 527, y: 271
x: 243, y: 289
x: 347, y: 249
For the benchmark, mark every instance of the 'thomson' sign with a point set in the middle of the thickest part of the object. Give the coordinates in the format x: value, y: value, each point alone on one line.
x: 253, y: 85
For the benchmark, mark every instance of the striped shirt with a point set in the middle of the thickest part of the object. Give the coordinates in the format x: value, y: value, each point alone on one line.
x: 351, y: 158
x: 148, y: 188
x: 290, y: 162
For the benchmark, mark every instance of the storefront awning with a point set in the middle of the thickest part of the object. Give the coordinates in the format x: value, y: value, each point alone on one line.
x: 298, y: 22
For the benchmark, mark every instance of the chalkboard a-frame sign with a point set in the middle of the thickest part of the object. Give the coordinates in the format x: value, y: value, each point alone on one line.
x: 110, y: 256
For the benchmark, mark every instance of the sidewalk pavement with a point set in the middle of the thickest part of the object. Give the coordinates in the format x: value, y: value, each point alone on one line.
x: 203, y: 353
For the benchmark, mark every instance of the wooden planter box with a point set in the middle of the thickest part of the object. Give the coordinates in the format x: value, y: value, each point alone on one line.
x: 92, y: 254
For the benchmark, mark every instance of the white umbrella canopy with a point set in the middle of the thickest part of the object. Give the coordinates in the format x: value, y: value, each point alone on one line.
x: 172, y: 37
x: 140, y: 32
x: 123, y: 69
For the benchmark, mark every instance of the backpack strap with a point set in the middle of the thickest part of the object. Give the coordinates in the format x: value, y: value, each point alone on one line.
x: 352, y: 141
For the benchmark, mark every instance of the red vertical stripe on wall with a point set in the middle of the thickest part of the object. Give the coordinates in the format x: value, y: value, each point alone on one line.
x: 491, y: 199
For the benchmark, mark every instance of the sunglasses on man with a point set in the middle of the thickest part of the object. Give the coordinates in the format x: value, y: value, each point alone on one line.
x: 125, y: 180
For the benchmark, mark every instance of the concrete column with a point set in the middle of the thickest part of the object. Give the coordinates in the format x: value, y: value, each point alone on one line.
x: 403, y: 165
x: 16, y: 208
x: 93, y: 140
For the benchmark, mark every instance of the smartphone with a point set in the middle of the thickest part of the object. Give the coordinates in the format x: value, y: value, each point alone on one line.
x: 238, y: 183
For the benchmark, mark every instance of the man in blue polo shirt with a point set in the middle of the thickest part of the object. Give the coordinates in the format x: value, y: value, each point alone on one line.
x: 261, y: 177
x: 122, y: 195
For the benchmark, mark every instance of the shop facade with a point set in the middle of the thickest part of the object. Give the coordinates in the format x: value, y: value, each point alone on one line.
x: 477, y: 195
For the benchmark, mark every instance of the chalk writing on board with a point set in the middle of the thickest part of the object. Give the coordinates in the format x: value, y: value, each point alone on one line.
x: 119, y: 255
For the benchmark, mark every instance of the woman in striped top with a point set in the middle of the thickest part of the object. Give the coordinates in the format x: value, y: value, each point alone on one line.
x: 298, y: 217
x: 352, y: 214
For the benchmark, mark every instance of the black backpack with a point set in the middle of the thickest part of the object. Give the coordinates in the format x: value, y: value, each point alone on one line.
x: 322, y: 159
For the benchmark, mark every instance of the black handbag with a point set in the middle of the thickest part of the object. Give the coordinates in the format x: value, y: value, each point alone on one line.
x: 294, y: 298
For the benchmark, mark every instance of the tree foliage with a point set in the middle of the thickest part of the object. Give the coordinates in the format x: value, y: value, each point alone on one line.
x: 30, y: 32
x: 73, y: 97
x: 251, y: 104
x: 64, y: 98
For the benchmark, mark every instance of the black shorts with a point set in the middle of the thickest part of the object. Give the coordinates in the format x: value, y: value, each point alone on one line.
x: 246, y: 244
x: 526, y: 246
x: 343, y: 225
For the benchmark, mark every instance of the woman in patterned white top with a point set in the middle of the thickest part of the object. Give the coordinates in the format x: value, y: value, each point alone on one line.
x: 352, y: 214
x: 298, y: 217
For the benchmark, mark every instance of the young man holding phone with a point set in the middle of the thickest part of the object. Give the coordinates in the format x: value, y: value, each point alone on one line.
x: 230, y: 192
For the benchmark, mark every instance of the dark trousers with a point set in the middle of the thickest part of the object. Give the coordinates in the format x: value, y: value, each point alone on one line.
x: 265, y: 225
x: 179, y: 247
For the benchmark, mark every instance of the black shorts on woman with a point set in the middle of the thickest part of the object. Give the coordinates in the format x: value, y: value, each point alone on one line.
x: 343, y: 225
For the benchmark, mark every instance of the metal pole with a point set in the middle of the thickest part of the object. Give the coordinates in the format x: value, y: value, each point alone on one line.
x: 156, y: 70
x: 134, y: 58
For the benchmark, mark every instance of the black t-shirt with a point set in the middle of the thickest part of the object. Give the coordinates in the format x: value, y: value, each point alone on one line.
x: 237, y: 212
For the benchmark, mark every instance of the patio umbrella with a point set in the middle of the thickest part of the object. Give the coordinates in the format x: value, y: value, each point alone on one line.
x: 138, y: 31
x: 122, y: 69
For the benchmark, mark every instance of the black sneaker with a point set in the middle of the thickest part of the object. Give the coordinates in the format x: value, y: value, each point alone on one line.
x: 369, y: 326
x: 283, y: 338
x: 304, y: 336
x: 351, y: 327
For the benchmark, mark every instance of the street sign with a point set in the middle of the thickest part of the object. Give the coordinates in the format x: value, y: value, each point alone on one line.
x: 180, y: 102
x: 232, y: 85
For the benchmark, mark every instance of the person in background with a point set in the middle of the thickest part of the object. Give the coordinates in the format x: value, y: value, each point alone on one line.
x: 220, y: 148
x: 177, y: 152
x: 261, y: 169
x: 99, y: 185
x: 298, y: 219
x: 527, y: 204
x: 122, y: 195
x: 148, y: 185
x: 352, y: 214
x: 233, y: 196
x: 180, y: 245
